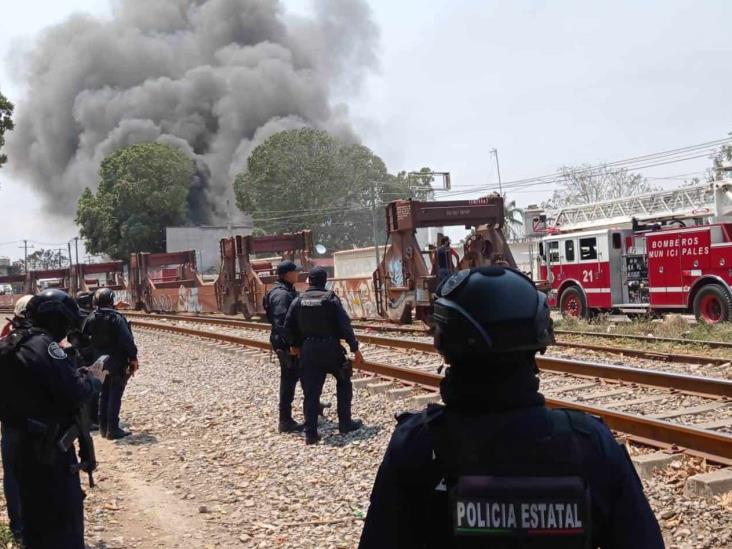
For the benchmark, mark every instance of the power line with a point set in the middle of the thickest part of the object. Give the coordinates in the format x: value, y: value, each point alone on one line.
x: 633, y: 163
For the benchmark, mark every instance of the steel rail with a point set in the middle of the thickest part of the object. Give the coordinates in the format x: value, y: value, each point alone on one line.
x: 649, y: 339
x: 708, y: 386
x: 651, y: 355
x: 710, y: 444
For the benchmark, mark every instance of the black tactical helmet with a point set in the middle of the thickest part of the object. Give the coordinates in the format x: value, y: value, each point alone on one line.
x: 490, y: 310
x: 54, y: 311
x: 103, y: 297
x: 84, y: 300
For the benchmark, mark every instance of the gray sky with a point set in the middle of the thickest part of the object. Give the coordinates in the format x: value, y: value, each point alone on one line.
x: 546, y: 83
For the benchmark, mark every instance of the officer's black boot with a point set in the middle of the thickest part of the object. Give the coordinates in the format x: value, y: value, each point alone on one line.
x: 354, y: 425
x: 289, y: 425
x: 117, y: 433
x: 312, y: 438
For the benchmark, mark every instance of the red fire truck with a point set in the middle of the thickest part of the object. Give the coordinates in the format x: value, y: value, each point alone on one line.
x: 664, y: 251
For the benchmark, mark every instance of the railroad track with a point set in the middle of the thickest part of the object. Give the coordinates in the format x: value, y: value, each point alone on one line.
x: 610, y: 392
x: 648, y: 339
x: 426, y: 345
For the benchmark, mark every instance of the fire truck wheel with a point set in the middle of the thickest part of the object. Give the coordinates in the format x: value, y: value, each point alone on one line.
x: 713, y: 304
x: 572, y: 303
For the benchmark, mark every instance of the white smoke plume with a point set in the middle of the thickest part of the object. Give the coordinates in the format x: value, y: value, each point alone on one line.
x: 214, y: 77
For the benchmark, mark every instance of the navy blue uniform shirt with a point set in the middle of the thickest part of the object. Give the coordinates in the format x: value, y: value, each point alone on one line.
x: 407, y: 511
x: 279, y: 299
x: 51, y: 376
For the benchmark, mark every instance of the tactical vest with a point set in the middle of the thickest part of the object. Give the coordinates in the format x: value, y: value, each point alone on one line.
x: 104, y: 334
x: 505, y: 492
x: 316, y: 317
x: 19, y: 397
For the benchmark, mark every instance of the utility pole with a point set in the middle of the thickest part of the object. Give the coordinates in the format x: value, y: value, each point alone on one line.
x: 76, y: 245
x: 374, y: 224
x: 494, y: 152
x: 25, y: 254
x: 69, y: 245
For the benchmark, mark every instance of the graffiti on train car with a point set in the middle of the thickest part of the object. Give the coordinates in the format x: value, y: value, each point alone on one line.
x: 185, y: 300
x: 357, y: 296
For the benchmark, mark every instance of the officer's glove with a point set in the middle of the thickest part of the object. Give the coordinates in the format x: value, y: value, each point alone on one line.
x: 295, y: 351
x: 357, y: 358
x: 134, y: 366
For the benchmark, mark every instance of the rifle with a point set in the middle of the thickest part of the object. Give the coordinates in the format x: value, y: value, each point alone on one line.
x: 80, y: 430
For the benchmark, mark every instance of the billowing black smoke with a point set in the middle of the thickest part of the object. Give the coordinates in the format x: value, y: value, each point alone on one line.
x: 213, y: 77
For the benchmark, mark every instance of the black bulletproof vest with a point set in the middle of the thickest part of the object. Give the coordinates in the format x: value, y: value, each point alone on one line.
x: 102, y: 330
x: 507, y: 492
x: 317, y: 318
x: 21, y: 395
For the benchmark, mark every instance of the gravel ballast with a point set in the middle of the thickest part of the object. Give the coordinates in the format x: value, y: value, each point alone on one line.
x: 207, y: 468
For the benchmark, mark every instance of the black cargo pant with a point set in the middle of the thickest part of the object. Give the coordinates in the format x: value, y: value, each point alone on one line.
x: 51, y: 500
x: 319, y: 357
x: 289, y: 376
x: 11, y: 440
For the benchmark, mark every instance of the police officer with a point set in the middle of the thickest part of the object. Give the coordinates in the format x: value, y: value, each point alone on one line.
x: 494, y: 467
x: 9, y: 438
x: 41, y: 392
x: 18, y: 316
x: 82, y: 352
x: 444, y: 255
x: 276, y: 303
x: 109, y: 334
x: 315, y: 324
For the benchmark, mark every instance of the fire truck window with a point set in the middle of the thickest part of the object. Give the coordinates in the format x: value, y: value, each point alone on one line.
x: 588, y: 248
x: 554, y: 252
x: 541, y: 251
x: 569, y: 250
x: 617, y: 241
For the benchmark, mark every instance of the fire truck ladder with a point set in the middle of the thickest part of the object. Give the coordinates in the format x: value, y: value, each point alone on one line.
x: 710, y: 199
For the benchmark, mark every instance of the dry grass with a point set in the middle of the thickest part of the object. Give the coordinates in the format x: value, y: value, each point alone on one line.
x: 672, y: 325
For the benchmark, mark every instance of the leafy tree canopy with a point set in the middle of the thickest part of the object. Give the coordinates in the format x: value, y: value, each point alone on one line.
x: 586, y: 184
x: 43, y: 259
x: 514, y: 217
x: 6, y: 124
x: 142, y: 189
x: 305, y: 178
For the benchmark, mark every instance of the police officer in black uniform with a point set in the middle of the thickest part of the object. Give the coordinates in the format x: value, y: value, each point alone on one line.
x: 315, y: 324
x: 109, y: 334
x: 41, y: 392
x: 277, y: 302
x: 82, y: 353
x: 494, y: 467
x: 10, y: 440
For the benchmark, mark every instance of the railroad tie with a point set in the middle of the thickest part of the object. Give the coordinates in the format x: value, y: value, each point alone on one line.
x: 691, y: 410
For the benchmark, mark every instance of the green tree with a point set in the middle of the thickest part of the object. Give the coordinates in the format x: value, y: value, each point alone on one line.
x: 43, y: 259
x: 586, y: 184
x: 142, y: 189
x: 720, y: 161
x: 514, y: 217
x: 6, y: 124
x: 305, y: 178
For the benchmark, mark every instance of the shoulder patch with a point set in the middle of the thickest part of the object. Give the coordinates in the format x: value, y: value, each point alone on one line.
x: 55, y: 351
